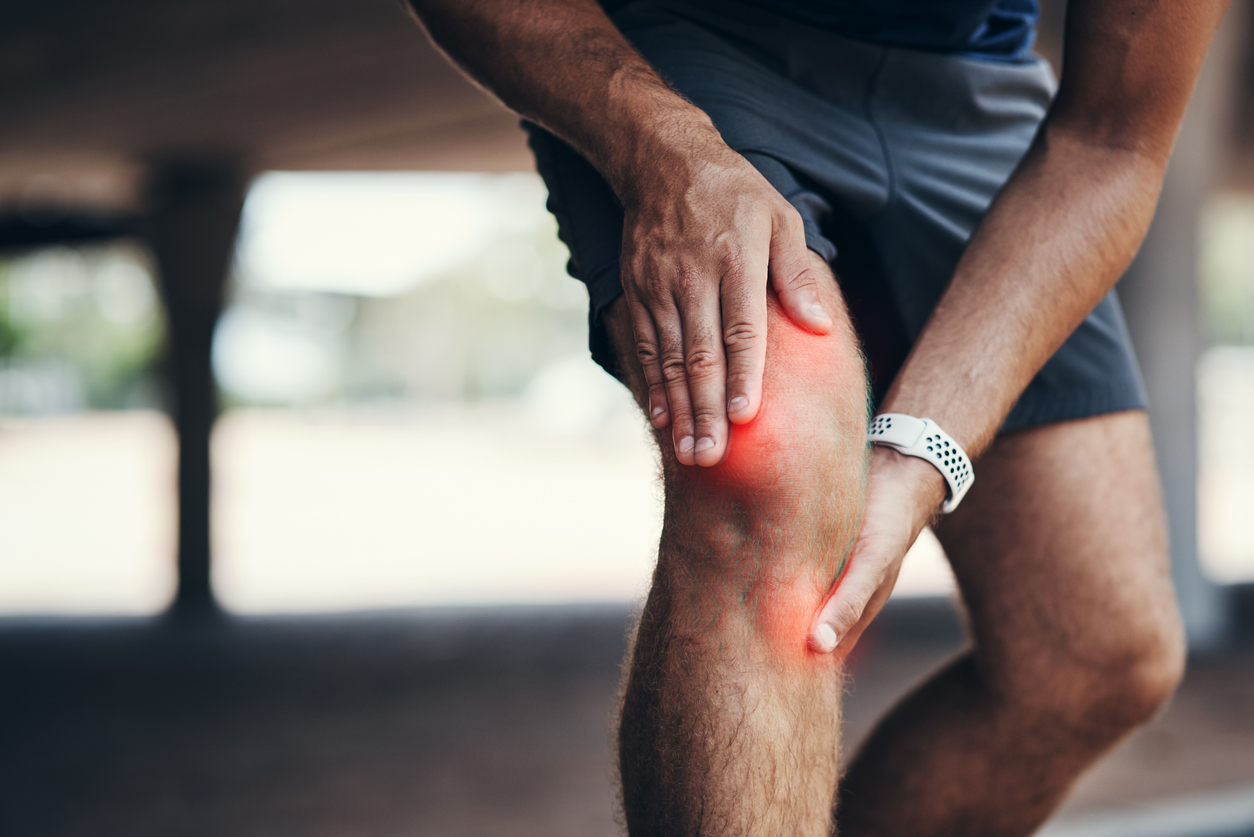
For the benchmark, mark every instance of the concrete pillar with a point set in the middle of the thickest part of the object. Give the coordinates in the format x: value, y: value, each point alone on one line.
x: 193, y: 208
x: 1160, y: 297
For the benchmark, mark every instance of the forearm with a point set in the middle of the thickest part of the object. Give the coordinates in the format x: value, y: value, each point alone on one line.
x: 564, y: 65
x: 1061, y: 232
x: 1070, y: 219
x: 1053, y: 244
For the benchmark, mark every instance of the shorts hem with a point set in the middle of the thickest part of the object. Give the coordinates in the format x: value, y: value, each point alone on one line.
x: 818, y: 242
x: 604, y: 288
x: 1093, y: 401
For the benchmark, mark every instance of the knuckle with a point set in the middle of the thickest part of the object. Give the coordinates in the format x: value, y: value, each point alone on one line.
x: 740, y: 337
x: 705, y: 415
x: 646, y: 351
x: 688, y: 278
x: 701, y: 363
x: 847, y: 615
x: 635, y: 276
x: 657, y: 286
x: 674, y: 368
x: 641, y: 281
x: 789, y: 217
x: 800, y: 279
x: 739, y: 381
x: 731, y: 259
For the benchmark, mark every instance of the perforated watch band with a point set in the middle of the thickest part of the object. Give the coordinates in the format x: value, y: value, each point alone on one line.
x: 924, y: 439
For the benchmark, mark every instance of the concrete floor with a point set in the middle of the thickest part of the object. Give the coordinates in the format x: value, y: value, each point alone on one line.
x: 434, y: 722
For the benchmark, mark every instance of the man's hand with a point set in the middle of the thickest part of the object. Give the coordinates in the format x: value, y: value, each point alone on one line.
x: 701, y: 238
x: 704, y: 232
x: 902, y: 495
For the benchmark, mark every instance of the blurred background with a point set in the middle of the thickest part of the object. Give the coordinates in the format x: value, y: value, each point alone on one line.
x: 410, y: 416
x: 316, y: 517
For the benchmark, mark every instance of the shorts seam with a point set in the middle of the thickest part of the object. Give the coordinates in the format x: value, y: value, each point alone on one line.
x: 890, y: 169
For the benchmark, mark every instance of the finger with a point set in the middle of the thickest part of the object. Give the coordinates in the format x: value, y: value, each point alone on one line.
x: 649, y: 355
x: 794, y: 280
x: 743, y: 306
x: 674, y: 365
x: 706, y: 373
x: 846, y: 605
x: 872, y: 609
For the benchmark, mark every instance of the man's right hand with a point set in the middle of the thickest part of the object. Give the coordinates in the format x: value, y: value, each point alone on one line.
x: 704, y: 233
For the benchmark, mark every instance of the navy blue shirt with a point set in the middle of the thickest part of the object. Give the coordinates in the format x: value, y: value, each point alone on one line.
x: 996, y: 29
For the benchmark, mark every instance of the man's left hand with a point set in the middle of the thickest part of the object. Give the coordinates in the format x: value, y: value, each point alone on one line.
x: 902, y: 496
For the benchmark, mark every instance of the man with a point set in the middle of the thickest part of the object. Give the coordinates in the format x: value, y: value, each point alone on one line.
x: 715, y: 161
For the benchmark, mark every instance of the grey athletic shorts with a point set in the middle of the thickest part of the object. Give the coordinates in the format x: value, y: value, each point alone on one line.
x: 890, y: 155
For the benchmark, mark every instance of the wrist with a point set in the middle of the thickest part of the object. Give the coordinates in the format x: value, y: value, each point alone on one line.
x: 923, y: 485
x: 659, y: 145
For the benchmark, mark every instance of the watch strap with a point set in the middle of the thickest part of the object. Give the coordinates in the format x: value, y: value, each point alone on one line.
x: 924, y: 439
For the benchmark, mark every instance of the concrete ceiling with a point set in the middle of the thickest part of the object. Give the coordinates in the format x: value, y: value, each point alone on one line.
x: 91, y: 89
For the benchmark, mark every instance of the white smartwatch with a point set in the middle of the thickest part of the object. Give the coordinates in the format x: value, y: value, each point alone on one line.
x: 922, y: 438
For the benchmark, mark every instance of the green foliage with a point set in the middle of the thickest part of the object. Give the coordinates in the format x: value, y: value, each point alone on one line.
x: 10, y: 332
x: 1226, y: 269
x: 93, y: 312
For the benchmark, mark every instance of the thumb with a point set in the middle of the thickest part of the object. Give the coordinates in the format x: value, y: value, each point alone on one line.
x: 844, y: 607
x: 795, y: 282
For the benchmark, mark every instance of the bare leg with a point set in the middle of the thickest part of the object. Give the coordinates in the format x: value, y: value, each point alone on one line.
x: 730, y: 725
x: 1060, y: 552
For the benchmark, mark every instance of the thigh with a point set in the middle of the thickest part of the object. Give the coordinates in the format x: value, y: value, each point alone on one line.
x: 1060, y: 549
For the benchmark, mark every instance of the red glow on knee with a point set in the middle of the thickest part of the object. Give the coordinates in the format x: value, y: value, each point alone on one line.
x: 785, y: 616
x: 806, y: 429
x: 792, y: 416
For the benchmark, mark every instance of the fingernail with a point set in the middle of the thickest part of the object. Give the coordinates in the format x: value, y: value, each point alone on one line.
x: 685, y: 445
x: 704, y: 444
x: 657, y: 411
x: 737, y: 404
x: 817, y: 310
x: 824, y: 639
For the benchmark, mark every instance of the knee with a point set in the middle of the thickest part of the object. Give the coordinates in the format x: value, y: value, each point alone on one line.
x: 793, y: 480
x: 1103, y: 687
x: 1153, y: 671
x: 784, y: 512
x: 769, y: 526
